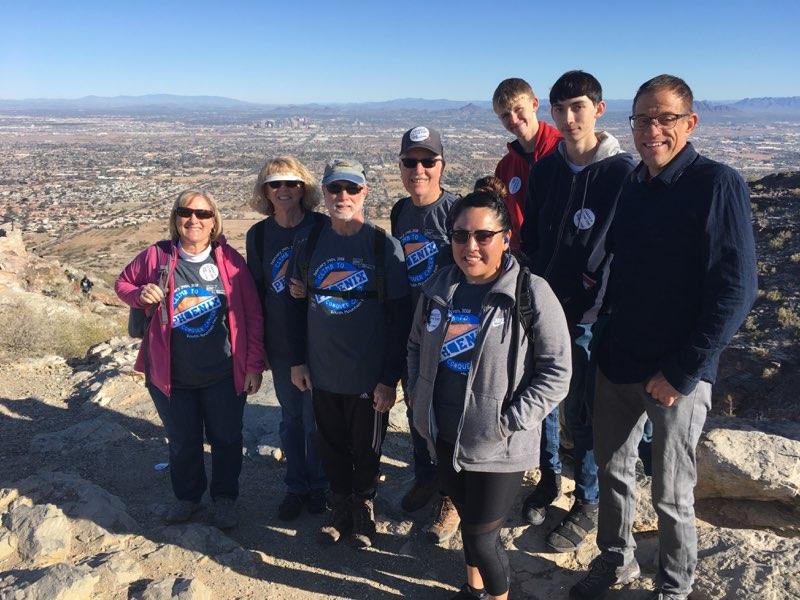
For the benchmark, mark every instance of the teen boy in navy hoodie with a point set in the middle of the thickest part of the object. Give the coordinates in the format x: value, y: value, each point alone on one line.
x: 572, y: 196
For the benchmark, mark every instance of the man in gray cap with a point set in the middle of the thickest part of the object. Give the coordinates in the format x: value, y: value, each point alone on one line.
x: 419, y: 221
x: 348, y: 343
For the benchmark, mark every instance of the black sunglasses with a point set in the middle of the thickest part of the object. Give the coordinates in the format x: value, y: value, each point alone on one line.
x: 289, y: 184
x: 482, y: 236
x: 200, y: 213
x: 411, y: 163
x: 351, y: 188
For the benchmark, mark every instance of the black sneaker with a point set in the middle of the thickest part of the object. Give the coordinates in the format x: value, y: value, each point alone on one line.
x: 340, y: 522
x: 534, y: 509
x: 418, y: 496
x: 603, y: 575
x: 363, y: 516
x: 290, y: 507
x: 467, y: 592
x: 578, y: 524
x: 317, y: 502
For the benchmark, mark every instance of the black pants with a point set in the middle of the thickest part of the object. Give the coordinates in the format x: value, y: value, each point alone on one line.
x: 483, y: 501
x: 216, y: 410
x: 351, y: 433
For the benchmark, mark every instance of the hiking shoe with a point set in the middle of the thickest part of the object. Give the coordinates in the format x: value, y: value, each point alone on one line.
x: 534, y: 509
x: 225, y: 516
x: 419, y: 495
x: 363, y: 523
x: 659, y: 595
x: 317, y: 502
x: 290, y: 507
x: 181, y: 511
x: 577, y: 525
x: 603, y: 575
x: 467, y: 592
x: 341, y: 520
x: 445, y: 521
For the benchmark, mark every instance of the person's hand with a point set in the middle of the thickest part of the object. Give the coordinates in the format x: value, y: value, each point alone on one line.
x: 150, y: 294
x: 660, y: 389
x: 252, y: 381
x: 296, y: 288
x: 301, y: 377
x: 384, y: 398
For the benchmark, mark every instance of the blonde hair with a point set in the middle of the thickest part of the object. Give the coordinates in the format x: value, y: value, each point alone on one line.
x: 183, y: 199
x: 312, y: 196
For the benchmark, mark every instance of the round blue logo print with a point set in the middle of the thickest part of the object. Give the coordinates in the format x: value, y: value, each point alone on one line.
x: 339, y: 275
x: 194, y: 310
x: 459, y: 341
x: 420, y: 255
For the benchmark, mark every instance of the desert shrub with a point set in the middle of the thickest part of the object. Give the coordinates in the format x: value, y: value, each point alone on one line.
x: 788, y: 318
x: 774, y: 295
x: 29, y: 330
x: 780, y: 239
x: 795, y: 257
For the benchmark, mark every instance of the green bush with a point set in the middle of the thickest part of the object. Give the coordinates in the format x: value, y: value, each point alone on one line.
x: 27, y: 330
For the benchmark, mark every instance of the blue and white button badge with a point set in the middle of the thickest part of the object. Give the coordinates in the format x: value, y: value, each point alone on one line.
x: 514, y: 185
x: 584, y: 218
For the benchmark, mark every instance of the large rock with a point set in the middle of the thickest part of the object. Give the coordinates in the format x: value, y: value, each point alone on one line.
x: 746, y: 564
x: 59, y: 582
x: 737, y: 460
x: 85, y: 436
x: 173, y: 588
x: 199, y: 538
x: 79, y: 499
x: 115, y: 570
x: 43, y: 531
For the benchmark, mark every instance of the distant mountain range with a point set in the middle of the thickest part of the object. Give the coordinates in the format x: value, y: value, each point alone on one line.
x: 171, y: 103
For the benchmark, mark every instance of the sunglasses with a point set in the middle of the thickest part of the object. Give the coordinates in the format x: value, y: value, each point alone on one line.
x: 411, y: 163
x: 482, y: 236
x: 351, y: 188
x: 275, y: 185
x: 200, y: 213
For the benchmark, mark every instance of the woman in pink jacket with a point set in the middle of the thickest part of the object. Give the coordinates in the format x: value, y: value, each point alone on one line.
x: 202, y: 351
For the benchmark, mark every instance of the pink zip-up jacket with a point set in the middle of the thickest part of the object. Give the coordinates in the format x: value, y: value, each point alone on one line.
x: 245, y: 320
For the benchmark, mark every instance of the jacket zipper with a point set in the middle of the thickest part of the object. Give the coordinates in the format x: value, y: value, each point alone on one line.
x: 561, y: 228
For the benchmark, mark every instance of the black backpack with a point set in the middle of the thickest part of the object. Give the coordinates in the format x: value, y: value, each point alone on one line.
x: 138, y: 319
x: 380, y: 268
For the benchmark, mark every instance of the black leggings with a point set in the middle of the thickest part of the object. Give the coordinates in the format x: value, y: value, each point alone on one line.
x: 483, y: 501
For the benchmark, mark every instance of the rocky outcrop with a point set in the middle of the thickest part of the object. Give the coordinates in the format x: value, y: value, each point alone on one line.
x: 737, y: 460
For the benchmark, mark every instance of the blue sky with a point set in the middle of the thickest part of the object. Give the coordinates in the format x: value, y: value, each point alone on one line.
x: 361, y: 51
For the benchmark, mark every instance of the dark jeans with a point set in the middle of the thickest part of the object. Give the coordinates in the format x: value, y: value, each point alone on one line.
x: 351, y: 433
x: 578, y: 410
x: 216, y: 410
x: 483, y: 501
x: 304, y: 472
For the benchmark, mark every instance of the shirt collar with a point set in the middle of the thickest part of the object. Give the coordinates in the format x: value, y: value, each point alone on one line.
x: 672, y: 172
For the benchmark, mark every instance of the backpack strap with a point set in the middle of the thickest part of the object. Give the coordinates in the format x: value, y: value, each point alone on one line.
x: 521, y: 317
x: 380, y: 264
x: 394, y: 216
x: 308, y: 252
x: 259, y: 251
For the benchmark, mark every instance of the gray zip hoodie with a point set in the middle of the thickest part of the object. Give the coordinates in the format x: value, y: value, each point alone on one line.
x: 494, y: 434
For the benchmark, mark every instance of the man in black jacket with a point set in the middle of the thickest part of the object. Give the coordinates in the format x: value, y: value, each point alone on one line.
x: 572, y: 196
x: 682, y: 282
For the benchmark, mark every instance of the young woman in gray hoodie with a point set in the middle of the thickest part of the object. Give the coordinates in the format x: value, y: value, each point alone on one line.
x: 482, y: 377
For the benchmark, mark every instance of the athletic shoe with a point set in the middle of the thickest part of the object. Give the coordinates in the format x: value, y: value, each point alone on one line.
x: 419, y: 495
x: 290, y: 507
x: 181, y: 511
x: 363, y: 523
x: 225, y: 516
x: 578, y: 524
x: 534, y: 509
x: 445, y: 521
x: 659, y: 595
x: 467, y: 592
x: 601, y: 577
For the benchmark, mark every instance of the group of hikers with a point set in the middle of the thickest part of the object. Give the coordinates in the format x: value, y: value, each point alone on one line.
x: 575, y: 278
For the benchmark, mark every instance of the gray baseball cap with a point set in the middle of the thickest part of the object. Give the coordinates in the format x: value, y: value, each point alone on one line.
x: 344, y: 169
x: 426, y: 138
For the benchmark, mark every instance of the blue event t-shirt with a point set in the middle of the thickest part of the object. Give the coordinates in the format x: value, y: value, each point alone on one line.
x: 455, y: 360
x: 201, y: 347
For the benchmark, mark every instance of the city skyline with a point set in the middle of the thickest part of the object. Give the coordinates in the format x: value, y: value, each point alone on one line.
x: 359, y: 52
